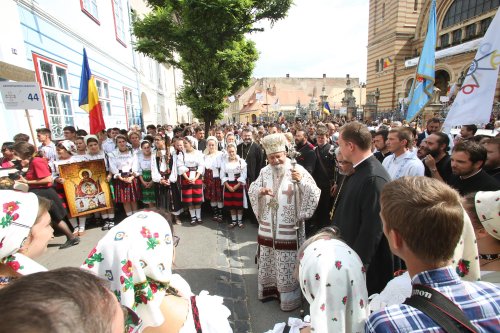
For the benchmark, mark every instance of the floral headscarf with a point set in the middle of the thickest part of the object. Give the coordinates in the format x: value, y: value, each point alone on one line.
x: 333, y: 280
x: 488, y: 211
x: 69, y: 146
x: 19, y: 212
x: 136, y: 257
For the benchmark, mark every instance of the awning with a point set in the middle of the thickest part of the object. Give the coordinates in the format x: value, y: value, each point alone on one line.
x: 448, y: 52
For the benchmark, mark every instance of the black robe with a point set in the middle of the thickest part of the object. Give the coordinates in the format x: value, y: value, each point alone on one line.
x: 323, y: 174
x: 307, y: 157
x: 254, y: 158
x: 357, y: 217
x: 479, y: 182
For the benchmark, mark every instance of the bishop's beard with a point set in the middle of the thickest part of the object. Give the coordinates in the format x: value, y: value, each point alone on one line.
x: 278, y: 170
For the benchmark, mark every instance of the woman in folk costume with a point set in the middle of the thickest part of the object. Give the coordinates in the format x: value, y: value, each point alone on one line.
x: 121, y: 166
x: 143, y: 166
x: 164, y: 174
x: 94, y: 152
x: 234, y: 176
x: 66, y: 153
x: 25, y: 231
x: 211, y: 179
x: 190, y: 167
x: 136, y: 257
x: 333, y: 281
x: 483, y: 209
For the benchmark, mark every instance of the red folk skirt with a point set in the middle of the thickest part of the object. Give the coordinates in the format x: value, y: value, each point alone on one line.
x: 192, y: 193
x: 233, y: 200
x: 213, y: 187
x: 127, y: 192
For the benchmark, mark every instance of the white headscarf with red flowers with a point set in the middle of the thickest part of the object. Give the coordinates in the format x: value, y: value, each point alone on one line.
x: 333, y: 281
x: 136, y: 258
x: 17, y: 217
x: 488, y: 210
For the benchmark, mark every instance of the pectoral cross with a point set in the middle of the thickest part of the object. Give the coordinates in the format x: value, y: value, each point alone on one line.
x: 288, y: 193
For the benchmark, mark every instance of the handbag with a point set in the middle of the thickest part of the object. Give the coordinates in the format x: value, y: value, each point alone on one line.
x: 440, y: 309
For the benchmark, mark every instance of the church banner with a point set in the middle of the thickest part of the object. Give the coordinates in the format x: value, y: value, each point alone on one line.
x: 85, y: 187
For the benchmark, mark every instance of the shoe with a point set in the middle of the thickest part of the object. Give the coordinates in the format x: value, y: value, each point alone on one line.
x: 193, y: 221
x: 178, y: 221
x: 70, y: 243
x: 199, y: 221
x: 241, y: 225
x: 81, y: 231
x: 111, y: 224
x: 76, y: 231
x: 105, y: 226
x: 232, y: 225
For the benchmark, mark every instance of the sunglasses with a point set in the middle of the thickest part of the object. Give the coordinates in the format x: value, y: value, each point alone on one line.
x: 132, y: 322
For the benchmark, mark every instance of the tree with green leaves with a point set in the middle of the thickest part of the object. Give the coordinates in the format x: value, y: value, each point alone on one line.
x: 206, y: 40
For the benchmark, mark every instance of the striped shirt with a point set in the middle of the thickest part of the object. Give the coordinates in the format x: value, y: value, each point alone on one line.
x: 480, y: 302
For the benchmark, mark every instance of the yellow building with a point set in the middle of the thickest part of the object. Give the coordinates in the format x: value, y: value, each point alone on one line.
x: 397, y: 30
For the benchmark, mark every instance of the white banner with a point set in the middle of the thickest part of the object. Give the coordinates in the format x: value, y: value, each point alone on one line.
x: 474, y: 101
x: 21, y: 95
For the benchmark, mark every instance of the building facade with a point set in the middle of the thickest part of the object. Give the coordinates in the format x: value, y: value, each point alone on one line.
x: 397, y: 30
x: 270, y: 98
x: 45, y: 44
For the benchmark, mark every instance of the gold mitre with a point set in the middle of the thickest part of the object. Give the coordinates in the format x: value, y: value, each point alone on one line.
x: 274, y: 143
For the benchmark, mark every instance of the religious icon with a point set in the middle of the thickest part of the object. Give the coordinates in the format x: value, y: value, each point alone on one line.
x: 85, y: 187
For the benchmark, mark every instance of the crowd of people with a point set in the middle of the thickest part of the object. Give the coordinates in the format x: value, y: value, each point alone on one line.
x: 341, y: 209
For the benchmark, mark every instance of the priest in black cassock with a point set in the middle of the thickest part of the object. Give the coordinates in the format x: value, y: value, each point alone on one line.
x: 253, y: 154
x: 357, y: 213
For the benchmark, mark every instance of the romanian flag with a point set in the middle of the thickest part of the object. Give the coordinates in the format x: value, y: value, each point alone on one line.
x: 387, y: 62
x: 326, y: 108
x: 89, y: 98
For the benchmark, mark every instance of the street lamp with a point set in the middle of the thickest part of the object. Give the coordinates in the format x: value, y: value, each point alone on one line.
x: 376, y: 94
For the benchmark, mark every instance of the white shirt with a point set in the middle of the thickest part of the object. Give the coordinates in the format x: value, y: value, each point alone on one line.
x: 406, y: 164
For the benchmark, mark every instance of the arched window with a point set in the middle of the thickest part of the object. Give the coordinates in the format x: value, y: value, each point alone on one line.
x: 415, y: 5
x: 462, y: 10
x: 376, y: 66
x: 383, y: 11
x: 381, y: 64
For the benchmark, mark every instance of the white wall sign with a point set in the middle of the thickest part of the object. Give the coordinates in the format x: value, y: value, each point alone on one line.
x: 21, y: 95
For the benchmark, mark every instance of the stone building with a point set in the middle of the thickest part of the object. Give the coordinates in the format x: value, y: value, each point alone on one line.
x: 397, y: 30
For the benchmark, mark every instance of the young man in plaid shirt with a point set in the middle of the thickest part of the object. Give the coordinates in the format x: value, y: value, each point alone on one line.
x: 422, y: 220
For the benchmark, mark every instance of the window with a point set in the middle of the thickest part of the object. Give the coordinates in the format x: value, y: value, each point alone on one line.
x: 376, y: 66
x: 445, y: 40
x: 103, y: 91
x: 129, y: 108
x: 457, y: 36
x: 470, y: 31
x: 381, y: 65
x: 53, y: 79
x: 462, y: 10
x: 383, y: 11
x: 485, y: 24
x: 415, y: 5
x: 89, y: 7
x: 119, y: 21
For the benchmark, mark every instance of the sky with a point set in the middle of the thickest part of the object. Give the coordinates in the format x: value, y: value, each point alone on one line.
x: 317, y: 37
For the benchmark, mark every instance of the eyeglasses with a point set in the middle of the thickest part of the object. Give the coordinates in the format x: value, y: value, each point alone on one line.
x: 177, y: 239
x: 132, y: 322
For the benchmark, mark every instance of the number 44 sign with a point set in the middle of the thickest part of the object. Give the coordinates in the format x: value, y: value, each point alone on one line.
x: 21, y: 95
